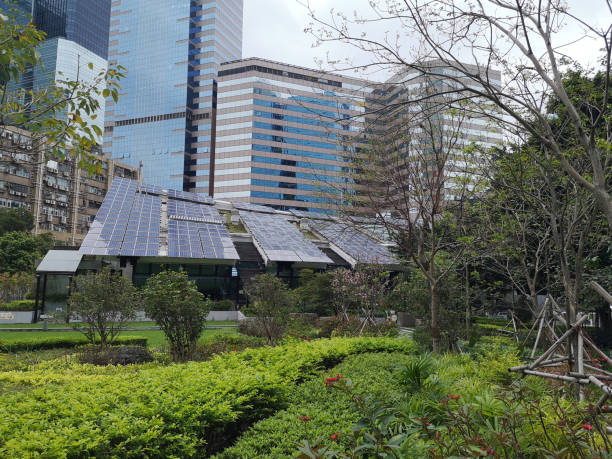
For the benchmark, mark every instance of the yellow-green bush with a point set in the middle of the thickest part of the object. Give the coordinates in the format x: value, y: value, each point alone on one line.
x: 171, y: 411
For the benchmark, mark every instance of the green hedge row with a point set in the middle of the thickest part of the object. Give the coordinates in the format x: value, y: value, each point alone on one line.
x: 330, y: 410
x: 19, y: 305
x: 53, y: 342
x: 175, y: 411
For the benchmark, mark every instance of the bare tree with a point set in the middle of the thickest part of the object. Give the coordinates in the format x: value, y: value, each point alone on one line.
x: 413, y: 176
x: 524, y: 39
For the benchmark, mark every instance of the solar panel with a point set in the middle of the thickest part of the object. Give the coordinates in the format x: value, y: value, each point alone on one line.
x: 142, y: 234
x: 354, y: 243
x: 253, y: 207
x: 280, y: 240
x: 311, y: 215
x: 108, y: 229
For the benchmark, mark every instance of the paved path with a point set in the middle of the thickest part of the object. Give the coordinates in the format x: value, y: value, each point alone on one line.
x: 210, y: 327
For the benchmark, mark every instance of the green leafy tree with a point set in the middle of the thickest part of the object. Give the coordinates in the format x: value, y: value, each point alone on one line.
x: 57, y: 116
x: 315, y: 292
x: 19, y: 251
x: 176, y: 305
x: 103, y: 302
x: 271, y: 302
x: 19, y: 219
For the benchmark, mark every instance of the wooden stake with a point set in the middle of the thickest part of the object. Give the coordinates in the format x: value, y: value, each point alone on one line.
x: 537, y: 340
x: 591, y: 367
x: 557, y: 377
x: 602, y: 386
x: 558, y: 342
x: 580, y: 363
x: 602, y: 291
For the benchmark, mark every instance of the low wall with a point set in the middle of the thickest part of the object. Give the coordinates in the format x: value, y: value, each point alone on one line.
x: 16, y: 317
x: 25, y: 317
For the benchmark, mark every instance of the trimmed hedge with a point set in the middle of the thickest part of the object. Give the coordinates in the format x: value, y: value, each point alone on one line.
x: 330, y: 410
x: 53, y: 342
x: 19, y: 305
x: 182, y: 410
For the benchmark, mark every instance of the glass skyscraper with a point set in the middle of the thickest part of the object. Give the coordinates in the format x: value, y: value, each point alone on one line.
x: 76, y: 36
x: 165, y: 114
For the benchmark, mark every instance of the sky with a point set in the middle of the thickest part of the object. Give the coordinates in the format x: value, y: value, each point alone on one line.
x: 274, y: 29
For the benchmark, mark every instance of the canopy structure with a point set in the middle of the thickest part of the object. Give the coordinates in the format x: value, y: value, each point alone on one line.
x: 60, y: 262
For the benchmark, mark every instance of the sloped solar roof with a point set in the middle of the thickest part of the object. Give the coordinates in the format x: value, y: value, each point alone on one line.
x: 311, y: 215
x: 60, y: 261
x: 281, y: 240
x: 131, y: 219
x: 354, y: 243
x: 253, y: 207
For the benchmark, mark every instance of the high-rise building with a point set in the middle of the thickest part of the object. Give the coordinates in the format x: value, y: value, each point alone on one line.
x: 63, y: 198
x: 285, y: 134
x: 76, y: 36
x: 165, y: 114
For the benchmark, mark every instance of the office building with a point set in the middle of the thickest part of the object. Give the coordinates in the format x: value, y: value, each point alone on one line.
x: 76, y: 36
x: 285, y: 134
x: 63, y: 198
x: 165, y: 114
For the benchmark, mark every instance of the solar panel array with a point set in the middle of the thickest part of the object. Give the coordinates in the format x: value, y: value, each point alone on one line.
x: 142, y: 235
x: 253, y: 207
x: 354, y: 243
x: 107, y: 232
x: 281, y: 240
x: 197, y: 231
x: 311, y: 215
x: 128, y: 224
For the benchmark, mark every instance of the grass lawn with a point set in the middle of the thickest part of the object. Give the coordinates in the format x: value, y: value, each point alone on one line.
x: 129, y: 324
x: 155, y: 338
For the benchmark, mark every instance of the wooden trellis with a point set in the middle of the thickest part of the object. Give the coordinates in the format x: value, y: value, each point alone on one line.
x: 570, y: 348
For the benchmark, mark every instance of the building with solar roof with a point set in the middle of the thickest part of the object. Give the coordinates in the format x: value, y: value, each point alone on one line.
x: 142, y: 229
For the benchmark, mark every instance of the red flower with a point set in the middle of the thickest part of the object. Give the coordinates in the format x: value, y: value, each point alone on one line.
x: 329, y: 381
x: 334, y: 436
x: 454, y: 397
x: 305, y: 418
x: 587, y: 426
x: 339, y: 376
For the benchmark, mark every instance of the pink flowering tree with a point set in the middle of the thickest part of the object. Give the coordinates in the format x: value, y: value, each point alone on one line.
x: 360, y: 291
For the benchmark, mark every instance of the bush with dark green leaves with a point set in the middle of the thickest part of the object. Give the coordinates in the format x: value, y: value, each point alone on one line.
x: 176, y: 305
x: 56, y: 342
x: 20, y: 305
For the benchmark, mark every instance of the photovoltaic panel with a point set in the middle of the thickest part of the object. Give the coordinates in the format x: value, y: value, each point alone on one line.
x: 311, y: 215
x: 253, y: 207
x: 196, y: 230
x: 106, y: 234
x: 354, y: 243
x: 192, y: 197
x: 142, y: 234
x: 281, y: 240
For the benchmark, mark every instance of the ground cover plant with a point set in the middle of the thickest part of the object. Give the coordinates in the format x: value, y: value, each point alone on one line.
x: 66, y: 409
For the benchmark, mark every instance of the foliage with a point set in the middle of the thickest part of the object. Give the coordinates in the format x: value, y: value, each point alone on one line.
x: 271, y: 303
x: 452, y: 313
x: 176, y: 305
x: 223, y: 305
x: 181, y: 410
x: 58, y: 117
x: 18, y: 305
x: 19, y: 219
x: 115, y: 355
x: 222, y: 344
x: 15, y: 286
x: 327, y: 411
x: 315, y: 293
x: 56, y: 342
x: 103, y: 302
x: 360, y: 291
x: 19, y: 251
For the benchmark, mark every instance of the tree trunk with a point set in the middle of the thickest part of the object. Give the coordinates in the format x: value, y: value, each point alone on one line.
x: 435, y: 330
x: 468, y: 305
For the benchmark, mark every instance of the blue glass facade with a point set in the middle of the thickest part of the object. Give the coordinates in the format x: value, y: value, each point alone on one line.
x: 164, y: 116
x: 285, y: 135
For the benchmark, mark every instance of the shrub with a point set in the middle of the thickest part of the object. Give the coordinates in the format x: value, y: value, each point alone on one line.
x: 21, y: 305
x: 103, y: 302
x: 225, y: 343
x: 54, y: 342
x: 271, y: 304
x: 182, y: 410
x: 115, y: 355
x: 223, y: 305
x: 174, y: 303
x: 15, y: 286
